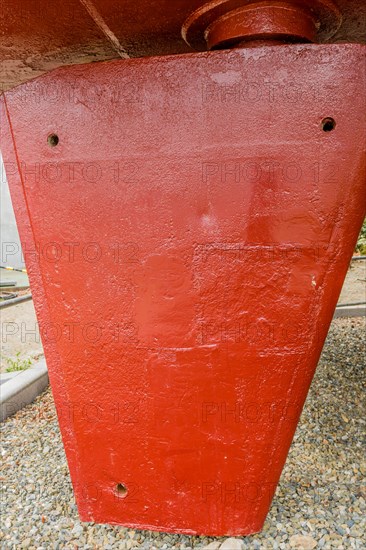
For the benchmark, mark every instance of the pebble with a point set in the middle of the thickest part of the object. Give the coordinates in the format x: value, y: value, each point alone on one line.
x: 232, y: 544
x: 320, y: 498
x: 302, y: 541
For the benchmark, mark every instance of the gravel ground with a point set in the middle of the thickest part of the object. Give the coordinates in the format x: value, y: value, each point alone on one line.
x: 320, y: 502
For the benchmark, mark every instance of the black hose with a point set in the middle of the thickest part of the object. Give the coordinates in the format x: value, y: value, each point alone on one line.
x: 15, y: 301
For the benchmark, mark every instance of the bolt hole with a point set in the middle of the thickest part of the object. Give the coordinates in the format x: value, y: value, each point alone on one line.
x: 53, y: 140
x: 121, y: 490
x: 328, y: 124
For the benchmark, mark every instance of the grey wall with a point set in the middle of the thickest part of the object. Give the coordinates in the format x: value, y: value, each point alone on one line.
x: 10, y: 253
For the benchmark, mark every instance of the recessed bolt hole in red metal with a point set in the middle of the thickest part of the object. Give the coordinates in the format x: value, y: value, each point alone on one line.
x: 53, y: 140
x: 328, y: 124
x: 121, y: 490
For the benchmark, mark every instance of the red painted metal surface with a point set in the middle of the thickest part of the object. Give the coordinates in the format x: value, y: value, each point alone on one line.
x: 38, y: 35
x: 226, y: 23
x: 187, y: 224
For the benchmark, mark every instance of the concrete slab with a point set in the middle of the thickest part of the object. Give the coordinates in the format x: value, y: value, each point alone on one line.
x: 19, y: 334
x: 350, y: 311
x: 22, y: 388
x: 6, y: 376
